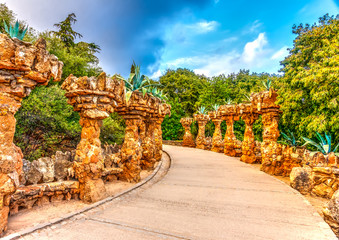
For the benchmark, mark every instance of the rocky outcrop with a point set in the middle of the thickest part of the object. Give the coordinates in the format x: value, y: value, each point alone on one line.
x: 331, y: 213
x: 23, y: 66
x: 301, y: 179
x: 188, y: 138
x: 325, y: 181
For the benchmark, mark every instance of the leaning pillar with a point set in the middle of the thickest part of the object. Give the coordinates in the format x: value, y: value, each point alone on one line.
x: 188, y: 138
x: 93, y: 98
x: 23, y: 66
x: 248, y: 144
x: 202, y: 120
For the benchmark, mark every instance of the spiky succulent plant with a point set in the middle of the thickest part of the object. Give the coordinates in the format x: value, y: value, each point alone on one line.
x: 136, y: 81
x: 229, y: 101
x: 156, y: 93
x: 202, y: 110
x: 324, y: 145
x: 267, y: 84
x: 15, y: 31
x: 290, y: 139
x: 215, y: 107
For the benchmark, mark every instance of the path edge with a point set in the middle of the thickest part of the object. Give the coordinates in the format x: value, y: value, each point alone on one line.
x: 40, y: 226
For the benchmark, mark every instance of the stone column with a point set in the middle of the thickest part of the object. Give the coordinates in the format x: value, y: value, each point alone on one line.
x: 202, y: 121
x: 23, y: 66
x: 230, y: 139
x: 271, y: 151
x: 131, y: 151
x: 148, y: 146
x: 188, y: 138
x: 248, y: 145
x: 10, y: 157
x: 217, y: 141
x: 93, y: 98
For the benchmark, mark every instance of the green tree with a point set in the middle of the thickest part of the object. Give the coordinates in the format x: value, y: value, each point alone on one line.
x: 65, y: 31
x: 185, y: 86
x: 309, y: 89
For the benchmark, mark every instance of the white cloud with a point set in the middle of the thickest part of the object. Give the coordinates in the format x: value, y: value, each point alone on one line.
x: 280, y: 54
x: 253, y: 49
x: 256, y: 56
x: 205, y: 26
x: 156, y: 74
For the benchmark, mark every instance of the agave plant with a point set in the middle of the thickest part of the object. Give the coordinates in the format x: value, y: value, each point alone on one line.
x: 15, y: 31
x: 247, y: 97
x: 215, y: 107
x: 156, y: 93
x: 229, y: 101
x: 324, y: 145
x: 136, y: 81
x: 290, y: 139
x: 202, y: 110
x: 267, y: 84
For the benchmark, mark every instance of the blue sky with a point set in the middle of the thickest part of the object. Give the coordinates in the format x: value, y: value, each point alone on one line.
x: 208, y: 36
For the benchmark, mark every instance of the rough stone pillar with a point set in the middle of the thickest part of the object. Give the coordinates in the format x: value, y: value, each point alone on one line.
x: 230, y: 113
x: 248, y: 145
x: 230, y: 139
x: 93, y: 98
x: 188, y: 138
x: 271, y: 151
x: 158, y: 138
x: 217, y: 141
x: 131, y: 151
x: 89, y: 163
x: 23, y: 66
x: 202, y: 121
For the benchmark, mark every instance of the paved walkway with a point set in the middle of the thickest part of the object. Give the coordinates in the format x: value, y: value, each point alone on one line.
x: 205, y: 195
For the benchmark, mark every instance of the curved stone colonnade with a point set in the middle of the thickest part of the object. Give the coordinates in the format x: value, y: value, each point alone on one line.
x: 23, y: 66
x: 262, y: 103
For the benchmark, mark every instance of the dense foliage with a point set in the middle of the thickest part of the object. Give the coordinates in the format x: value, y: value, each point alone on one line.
x: 309, y: 89
x: 45, y: 122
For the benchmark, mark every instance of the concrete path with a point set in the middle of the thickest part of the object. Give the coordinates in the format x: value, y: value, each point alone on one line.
x: 204, y: 195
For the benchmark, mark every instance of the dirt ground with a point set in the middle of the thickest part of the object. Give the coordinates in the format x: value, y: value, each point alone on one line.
x: 28, y: 218
x: 317, y: 202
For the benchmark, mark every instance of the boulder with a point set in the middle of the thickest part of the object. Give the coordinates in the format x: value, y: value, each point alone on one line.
x: 61, y: 169
x: 300, y: 179
x: 331, y: 213
x: 69, y: 156
x: 46, y: 166
x: 32, y: 174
